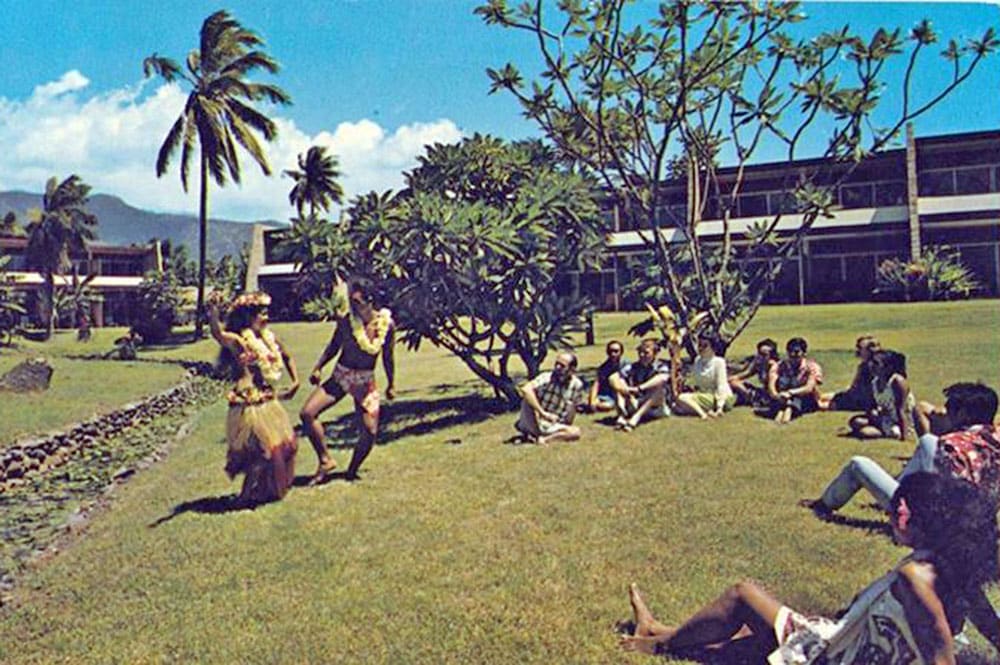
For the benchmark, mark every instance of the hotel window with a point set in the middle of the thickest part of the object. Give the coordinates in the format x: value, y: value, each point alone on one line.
x: 890, y: 193
x: 972, y: 181
x: 753, y: 205
x: 856, y: 196
x: 937, y: 183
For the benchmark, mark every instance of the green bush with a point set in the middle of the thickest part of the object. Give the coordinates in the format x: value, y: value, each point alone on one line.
x: 938, y: 274
x: 157, y: 307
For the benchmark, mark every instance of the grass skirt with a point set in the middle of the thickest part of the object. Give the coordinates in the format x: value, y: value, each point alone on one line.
x: 262, y: 447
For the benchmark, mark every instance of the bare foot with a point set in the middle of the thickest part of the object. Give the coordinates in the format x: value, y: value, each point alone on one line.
x: 637, y: 644
x: 643, y: 617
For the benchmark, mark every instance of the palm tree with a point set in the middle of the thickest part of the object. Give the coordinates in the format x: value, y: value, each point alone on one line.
x: 219, y: 114
x: 315, y: 181
x: 63, y: 226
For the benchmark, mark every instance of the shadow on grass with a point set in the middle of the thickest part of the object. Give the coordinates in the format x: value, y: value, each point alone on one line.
x: 208, y: 505
x: 740, y: 651
x: 405, y: 418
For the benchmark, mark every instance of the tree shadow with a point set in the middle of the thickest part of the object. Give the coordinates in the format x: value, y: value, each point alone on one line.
x: 208, y: 505
x: 406, y: 418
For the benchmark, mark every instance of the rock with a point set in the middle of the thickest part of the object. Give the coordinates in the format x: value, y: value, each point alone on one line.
x: 123, y: 473
x: 14, y: 469
x: 32, y: 375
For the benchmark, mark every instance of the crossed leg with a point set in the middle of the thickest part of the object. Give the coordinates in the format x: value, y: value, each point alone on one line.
x: 743, y: 606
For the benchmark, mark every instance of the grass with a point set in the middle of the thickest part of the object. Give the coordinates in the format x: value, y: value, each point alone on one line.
x: 79, y: 389
x: 457, y: 549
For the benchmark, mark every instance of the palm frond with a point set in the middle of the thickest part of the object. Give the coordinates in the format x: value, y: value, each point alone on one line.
x: 163, y: 67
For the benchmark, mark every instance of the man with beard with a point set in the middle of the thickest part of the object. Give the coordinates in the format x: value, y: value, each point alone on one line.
x: 549, y: 403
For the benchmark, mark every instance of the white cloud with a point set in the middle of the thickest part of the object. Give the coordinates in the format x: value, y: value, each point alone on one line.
x: 71, y: 81
x: 111, y: 140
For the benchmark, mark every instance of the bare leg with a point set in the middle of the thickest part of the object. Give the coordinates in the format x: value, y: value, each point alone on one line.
x: 318, y: 402
x: 568, y: 434
x: 368, y: 426
x: 688, y: 405
x: 743, y: 604
x: 656, y: 399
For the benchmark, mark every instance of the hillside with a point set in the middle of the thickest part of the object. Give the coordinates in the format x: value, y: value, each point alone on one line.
x: 121, y: 224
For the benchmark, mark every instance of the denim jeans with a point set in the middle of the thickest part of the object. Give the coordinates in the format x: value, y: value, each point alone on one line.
x: 864, y: 472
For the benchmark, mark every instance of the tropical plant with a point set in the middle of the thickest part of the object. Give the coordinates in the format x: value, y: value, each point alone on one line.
x: 9, y: 226
x: 11, y: 305
x: 323, y: 253
x: 157, y: 307
x: 61, y: 227
x: 219, y: 115
x: 640, y: 96
x: 74, y: 300
x: 938, y: 274
x: 470, y: 253
x: 315, y: 182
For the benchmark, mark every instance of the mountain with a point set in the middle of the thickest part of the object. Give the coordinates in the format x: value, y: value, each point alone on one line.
x: 119, y: 223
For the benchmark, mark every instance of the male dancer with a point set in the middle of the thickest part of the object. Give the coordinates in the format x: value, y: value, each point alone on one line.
x: 358, y: 337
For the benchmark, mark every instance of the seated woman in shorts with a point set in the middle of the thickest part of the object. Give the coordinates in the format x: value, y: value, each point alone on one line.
x: 892, y: 399
x: 712, y: 395
x: 906, y: 616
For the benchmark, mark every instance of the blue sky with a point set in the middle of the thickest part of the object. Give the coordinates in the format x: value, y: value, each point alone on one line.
x: 373, y: 80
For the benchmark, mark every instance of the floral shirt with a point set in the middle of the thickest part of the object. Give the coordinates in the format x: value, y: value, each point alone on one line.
x: 972, y: 454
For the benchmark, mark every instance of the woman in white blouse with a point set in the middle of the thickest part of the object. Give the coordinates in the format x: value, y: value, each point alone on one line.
x: 711, y: 395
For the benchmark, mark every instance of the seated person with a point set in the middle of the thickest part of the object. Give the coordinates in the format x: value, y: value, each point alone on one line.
x: 893, y: 399
x: 641, y: 387
x: 971, y: 451
x: 712, y: 395
x: 907, y: 616
x: 858, y: 396
x: 757, y: 366
x: 602, y: 396
x: 126, y: 347
x: 793, y: 383
x: 550, y: 401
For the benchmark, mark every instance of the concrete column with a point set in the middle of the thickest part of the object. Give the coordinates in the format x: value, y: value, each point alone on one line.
x: 256, y: 258
x: 912, y: 193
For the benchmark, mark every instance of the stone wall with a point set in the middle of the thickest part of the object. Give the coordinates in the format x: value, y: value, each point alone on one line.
x: 34, y: 454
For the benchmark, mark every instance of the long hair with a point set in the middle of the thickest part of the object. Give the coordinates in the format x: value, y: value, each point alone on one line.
x: 238, y: 320
x: 958, y: 523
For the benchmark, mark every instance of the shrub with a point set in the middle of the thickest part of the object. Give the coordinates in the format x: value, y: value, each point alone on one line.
x: 157, y: 307
x: 938, y: 274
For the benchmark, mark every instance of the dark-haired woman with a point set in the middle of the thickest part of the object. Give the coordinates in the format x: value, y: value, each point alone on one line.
x: 712, y: 395
x: 758, y: 367
x: 892, y: 398
x: 261, y: 440
x: 907, y: 616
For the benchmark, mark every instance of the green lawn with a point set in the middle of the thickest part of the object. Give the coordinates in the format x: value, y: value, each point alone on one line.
x: 457, y: 549
x: 79, y: 389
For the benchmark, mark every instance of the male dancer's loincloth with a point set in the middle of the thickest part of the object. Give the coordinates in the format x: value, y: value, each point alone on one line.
x: 358, y: 383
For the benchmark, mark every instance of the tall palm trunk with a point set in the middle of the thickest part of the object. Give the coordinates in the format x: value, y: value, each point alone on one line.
x: 202, y: 247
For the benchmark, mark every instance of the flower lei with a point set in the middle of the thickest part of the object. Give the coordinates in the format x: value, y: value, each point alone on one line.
x: 266, y: 352
x: 380, y: 325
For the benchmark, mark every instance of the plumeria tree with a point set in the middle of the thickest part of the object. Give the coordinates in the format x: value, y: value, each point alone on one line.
x: 219, y: 116
x: 636, y: 95
x: 470, y: 253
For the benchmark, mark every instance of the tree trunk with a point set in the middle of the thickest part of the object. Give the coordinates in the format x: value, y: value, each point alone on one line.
x: 50, y: 305
x: 202, y: 247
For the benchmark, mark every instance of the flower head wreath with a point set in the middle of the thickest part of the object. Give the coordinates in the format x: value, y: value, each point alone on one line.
x: 254, y: 299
